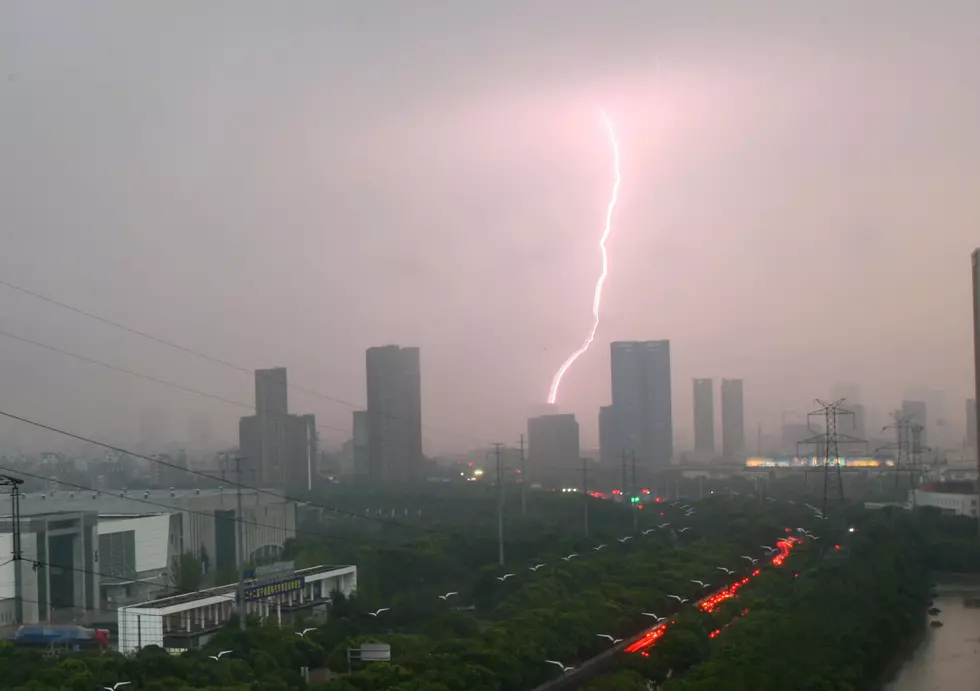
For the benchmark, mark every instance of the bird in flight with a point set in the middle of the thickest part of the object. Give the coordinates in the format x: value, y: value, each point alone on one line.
x: 750, y: 559
x: 115, y: 686
x: 564, y: 669
x: 447, y: 595
x: 624, y: 539
x: 767, y: 548
x: 598, y: 548
x: 651, y: 614
x: 722, y: 568
x: 569, y: 557
x: 648, y: 530
x: 222, y: 654
x: 537, y: 566
x: 504, y: 577
x: 684, y: 528
x: 302, y: 634
x: 606, y: 635
x: 701, y: 583
x: 663, y: 525
x: 383, y: 609
x: 680, y: 599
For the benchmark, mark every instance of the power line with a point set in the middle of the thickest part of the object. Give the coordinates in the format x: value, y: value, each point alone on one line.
x: 199, y: 354
x: 140, y: 375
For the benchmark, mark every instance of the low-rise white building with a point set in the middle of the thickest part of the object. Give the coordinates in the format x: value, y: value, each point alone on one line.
x: 188, y: 621
x: 955, y: 498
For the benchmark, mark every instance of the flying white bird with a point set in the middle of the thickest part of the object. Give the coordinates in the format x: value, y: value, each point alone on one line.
x: 770, y: 499
x: 225, y: 652
x: 383, y: 609
x: 750, y: 559
x: 302, y: 634
x: 701, y: 583
x: 570, y: 556
x: 767, y: 548
x: 624, y: 539
x: 681, y: 530
x: 722, y: 568
x: 598, y: 548
x: 680, y: 599
x: 449, y: 594
x: 116, y: 685
x: 504, y: 577
x: 663, y: 525
x: 606, y: 635
x: 648, y: 530
x: 564, y: 669
x: 790, y: 501
x: 537, y: 566
x: 651, y: 614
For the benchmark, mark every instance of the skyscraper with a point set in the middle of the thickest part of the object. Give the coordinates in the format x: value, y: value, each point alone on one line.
x: 394, y: 406
x: 271, y: 409
x: 360, y: 437
x: 553, y: 447
x: 971, y: 424
x: 704, y: 417
x: 732, y: 420
x: 641, y: 399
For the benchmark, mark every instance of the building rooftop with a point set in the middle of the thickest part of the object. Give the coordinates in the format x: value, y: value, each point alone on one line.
x: 134, y: 502
x: 227, y: 590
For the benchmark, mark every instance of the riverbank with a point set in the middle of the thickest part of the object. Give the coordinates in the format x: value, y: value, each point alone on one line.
x: 905, y: 652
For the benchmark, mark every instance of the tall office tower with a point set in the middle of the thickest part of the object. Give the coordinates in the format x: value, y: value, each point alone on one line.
x: 971, y: 423
x: 610, y: 440
x: 394, y: 406
x: 858, y: 422
x: 916, y: 412
x: 271, y: 409
x: 732, y: 420
x: 553, y: 449
x: 975, y: 274
x: 791, y: 434
x: 360, y: 437
x: 641, y: 399
x: 302, y: 447
x: 704, y: 417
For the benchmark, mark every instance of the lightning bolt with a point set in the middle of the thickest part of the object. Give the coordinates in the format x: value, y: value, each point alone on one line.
x: 597, y: 297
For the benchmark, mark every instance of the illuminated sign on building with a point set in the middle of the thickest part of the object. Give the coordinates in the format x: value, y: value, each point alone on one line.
x: 278, y: 588
x: 816, y: 462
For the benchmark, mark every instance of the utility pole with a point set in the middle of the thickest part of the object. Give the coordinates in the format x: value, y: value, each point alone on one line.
x: 242, y: 609
x: 523, y: 476
x: 902, y: 446
x: 633, y: 495
x: 585, y: 492
x: 17, y: 555
x: 500, y: 505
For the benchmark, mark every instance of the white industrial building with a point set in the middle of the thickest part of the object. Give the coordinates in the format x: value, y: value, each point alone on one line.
x: 188, y: 621
x: 955, y: 498
x: 111, y: 548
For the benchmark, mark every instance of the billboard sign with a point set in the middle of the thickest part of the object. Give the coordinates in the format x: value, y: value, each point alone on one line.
x: 290, y: 585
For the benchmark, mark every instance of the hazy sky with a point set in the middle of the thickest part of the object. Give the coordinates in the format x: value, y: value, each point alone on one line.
x: 288, y: 183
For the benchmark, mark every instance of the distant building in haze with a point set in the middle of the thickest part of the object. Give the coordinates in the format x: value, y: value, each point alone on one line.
x: 360, y: 437
x: 917, y: 413
x: 553, y: 448
x: 641, y: 399
x: 277, y: 448
x: 971, y: 424
x: 610, y: 440
x: 704, y: 418
x: 394, y: 407
x: 732, y: 420
x: 199, y: 431
x: 791, y: 434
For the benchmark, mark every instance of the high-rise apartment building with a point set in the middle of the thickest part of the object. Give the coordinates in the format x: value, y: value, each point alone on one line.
x: 641, y: 399
x: 553, y: 447
x: 394, y: 407
x: 360, y: 437
x: 704, y: 417
x: 732, y: 420
x: 971, y: 424
x: 278, y: 449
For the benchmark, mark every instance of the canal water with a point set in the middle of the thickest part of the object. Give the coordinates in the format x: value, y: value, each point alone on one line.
x: 949, y: 657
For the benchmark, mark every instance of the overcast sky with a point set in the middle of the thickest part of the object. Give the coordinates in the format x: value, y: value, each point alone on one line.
x: 289, y: 183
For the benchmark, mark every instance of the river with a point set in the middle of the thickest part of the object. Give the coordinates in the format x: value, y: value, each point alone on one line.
x: 949, y: 657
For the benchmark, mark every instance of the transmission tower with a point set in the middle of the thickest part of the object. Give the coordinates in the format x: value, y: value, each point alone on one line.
x: 902, y: 425
x: 828, y: 450
x: 17, y: 554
